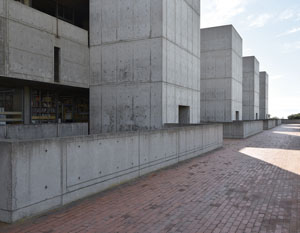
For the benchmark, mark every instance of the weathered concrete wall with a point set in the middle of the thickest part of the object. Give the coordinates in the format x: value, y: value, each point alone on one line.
x: 278, y: 122
x: 221, y: 74
x: 242, y: 129
x: 269, y: 124
x: 32, y: 36
x: 143, y: 66
x: 181, y: 59
x: 263, y: 95
x: 5, y: 182
x: 250, y: 88
x: 49, y: 173
x: 2, y: 7
x: 27, y: 132
x: 3, y: 34
x: 286, y: 121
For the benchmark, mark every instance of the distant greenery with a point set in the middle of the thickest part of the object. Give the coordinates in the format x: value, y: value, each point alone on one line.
x: 294, y: 117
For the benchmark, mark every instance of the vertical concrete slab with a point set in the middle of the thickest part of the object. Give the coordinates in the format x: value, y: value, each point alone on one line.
x: 27, y: 104
x: 250, y: 88
x: 263, y: 95
x: 5, y: 182
x: 3, y: 36
x: 181, y: 60
x: 141, y: 69
x: 221, y: 74
x: 35, y: 48
x: 2, y: 7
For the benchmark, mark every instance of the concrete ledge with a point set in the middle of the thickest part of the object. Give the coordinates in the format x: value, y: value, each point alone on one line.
x: 269, y: 124
x: 242, y: 129
x: 31, y: 132
x: 39, y: 175
x: 278, y: 122
x: 286, y: 121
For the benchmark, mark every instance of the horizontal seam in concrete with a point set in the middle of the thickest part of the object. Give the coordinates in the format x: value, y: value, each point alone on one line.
x: 136, y: 83
x: 145, y: 39
x: 221, y: 78
x: 141, y: 168
x: 42, y: 55
x: 210, y: 100
x: 51, y: 57
x: 47, y: 31
x: 177, y: 85
x: 125, y: 41
x: 222, y: 50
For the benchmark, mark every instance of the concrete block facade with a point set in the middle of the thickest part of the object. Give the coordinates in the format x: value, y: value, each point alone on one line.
x: 221, y: 74
x: 145, y: 63
x: 287, y: 121
x: 39, y: 175
x: 27, y: 132
x: 270, y: 124
x: 242, y: 129
x: 263, y: 95
x: 30, y: 37
x: 250, y: 88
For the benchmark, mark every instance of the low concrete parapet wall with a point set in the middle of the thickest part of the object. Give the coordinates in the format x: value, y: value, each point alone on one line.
x: 278, y: 122
x: 269, y: 124
x: 39, y: 175
x: 285, y: 121
x: 28, y: 132
x: 242, y: 129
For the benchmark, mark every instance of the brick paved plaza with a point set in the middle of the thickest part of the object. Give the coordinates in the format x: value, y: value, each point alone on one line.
x: 250, y: 185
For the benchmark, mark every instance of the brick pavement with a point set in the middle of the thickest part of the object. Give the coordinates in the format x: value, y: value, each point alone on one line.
x: 250, y: 185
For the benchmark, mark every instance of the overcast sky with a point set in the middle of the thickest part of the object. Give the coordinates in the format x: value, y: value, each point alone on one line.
x: 271, y: 31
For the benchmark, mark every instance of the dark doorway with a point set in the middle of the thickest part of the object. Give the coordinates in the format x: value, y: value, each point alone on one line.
x: 184, y: 114
x: 237, y: 115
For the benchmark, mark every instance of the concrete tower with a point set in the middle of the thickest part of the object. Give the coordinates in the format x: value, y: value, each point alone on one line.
x: 221, y: 74
x: 250, y: 88
x: 263, y: 95
x: 145, y: 64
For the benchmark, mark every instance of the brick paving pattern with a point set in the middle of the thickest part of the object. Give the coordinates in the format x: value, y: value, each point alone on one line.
x: 250, y: 185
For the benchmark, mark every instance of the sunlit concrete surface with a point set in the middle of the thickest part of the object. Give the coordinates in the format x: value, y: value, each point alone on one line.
x: 250, y: 185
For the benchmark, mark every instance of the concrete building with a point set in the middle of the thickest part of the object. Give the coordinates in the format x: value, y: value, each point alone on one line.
x: 263, y: 95
x: 250, y: 88
x: 44, y: 61
x: 145, y: 64
x: 221, y: 74
x: 139, y: 61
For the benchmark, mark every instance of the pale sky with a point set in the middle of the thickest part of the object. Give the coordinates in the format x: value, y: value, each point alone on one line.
x: 271, y: 31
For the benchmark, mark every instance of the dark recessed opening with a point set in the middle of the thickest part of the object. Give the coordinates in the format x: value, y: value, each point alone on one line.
x: 56, y: 64
x: 184, y: 114
x: 237, y: 115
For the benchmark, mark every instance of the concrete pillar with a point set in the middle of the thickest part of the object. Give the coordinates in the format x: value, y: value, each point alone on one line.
x: 250, y: 88
x: 26, y: 106
x: 145, y: 63
x: 263, y: 95
x: 221, y: 74
x: 3, y: 37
